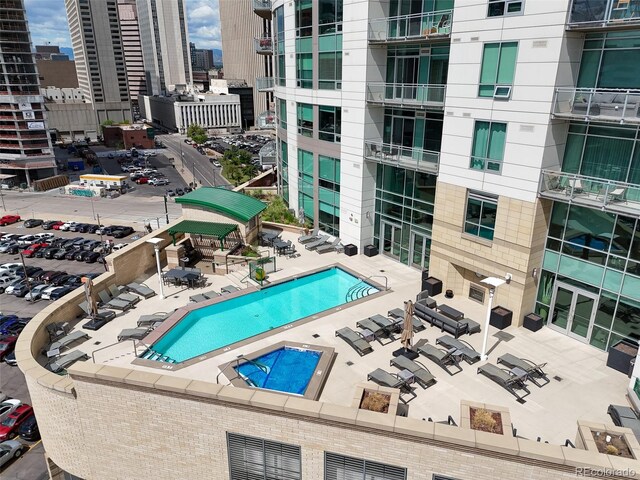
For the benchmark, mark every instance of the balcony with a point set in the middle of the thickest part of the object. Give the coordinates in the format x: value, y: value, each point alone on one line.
x: 262, y: 8
x: 266, y: 120
x: 264, y: 84
x: 417, y: 27
x: 268, y: 154
x: 608, y: 195
x: 407, y: 95
x: 589, y: 15
x: 597, y: 104
x: 403, y: 157
x: 264, y: 45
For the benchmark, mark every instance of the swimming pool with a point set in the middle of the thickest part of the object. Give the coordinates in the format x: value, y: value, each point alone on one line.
x: 286, y: 369
x: 226, y: 322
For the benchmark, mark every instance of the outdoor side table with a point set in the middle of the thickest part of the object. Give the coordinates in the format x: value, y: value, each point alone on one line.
x: 407, y: 376
x: 367, y: 335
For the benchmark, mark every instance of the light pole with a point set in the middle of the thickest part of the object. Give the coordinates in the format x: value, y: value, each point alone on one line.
x: 493, y: 283
x: 156, y: 246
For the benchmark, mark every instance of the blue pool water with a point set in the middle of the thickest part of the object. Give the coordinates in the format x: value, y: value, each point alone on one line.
x: 286, y: 370
x: 236, y: 319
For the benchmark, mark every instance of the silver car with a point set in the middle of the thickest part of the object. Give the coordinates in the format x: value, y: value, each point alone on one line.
x: 10, y: 449
x: 8, y: 407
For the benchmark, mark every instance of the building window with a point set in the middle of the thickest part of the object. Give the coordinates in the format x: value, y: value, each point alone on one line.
x: 329, y: 16
x: 476, y: 293
x: 256, y: 458
x: 283, y: 170
x: 304, y: 18
x: 480, y: 219
x: 488, y: 146
x: 329, y: 194
x: 304, y: 69
x: 499, y: 8
x: 282, y: 113
x: 279, y: 46
x: 305, y: 184
x: 330, y: 70
x: 498, y: 68
x: 330, y: 119
x: 342, y: 467
x: 305, y: 119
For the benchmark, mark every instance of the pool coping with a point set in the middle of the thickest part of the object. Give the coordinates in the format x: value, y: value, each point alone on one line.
x: 316, y: 382
x: 181, y: 312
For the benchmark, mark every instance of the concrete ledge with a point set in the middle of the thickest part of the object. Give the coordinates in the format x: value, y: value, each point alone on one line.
x: 577, y: 457
x: 112, y: 374
x: 626, y: 465
x: 497, y: 443
x: 203, y: 389
x: 413, y: 426
x: 451, y: 434
x: 338, y: 413
x: 172, y: 384
x: 540, y: 451
x: 303, y: 406
x: 142, y: 379
x: 269, y: 400
x: 375, y: 420
x: 64, y: 384
x: 236, y: 395
x: 46, y: 378
x: 84, y: 369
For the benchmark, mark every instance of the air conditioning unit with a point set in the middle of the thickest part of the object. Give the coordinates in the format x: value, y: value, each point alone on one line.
x: 502, y: 92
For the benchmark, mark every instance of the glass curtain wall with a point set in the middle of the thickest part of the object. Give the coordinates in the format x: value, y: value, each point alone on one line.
x: 304, y: 55
x: 329, y: 194
x: 283, y: 171
x: 279, y: 46
x: 412, y: 129
x: 305, y: 183
x: 330, y: 44
x: 409, y: 67
x: 410, y: 22
x: 330, y: 121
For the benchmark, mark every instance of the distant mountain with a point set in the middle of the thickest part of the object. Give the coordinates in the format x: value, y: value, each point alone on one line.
x: 68, y: 51
x: 217, y: 56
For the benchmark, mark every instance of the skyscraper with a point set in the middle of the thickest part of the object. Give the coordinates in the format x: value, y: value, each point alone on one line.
x: 132, y: 46
x: 25, y: 146
x: 201, y: 58
x: 99, y: 56
x: 165, y: 44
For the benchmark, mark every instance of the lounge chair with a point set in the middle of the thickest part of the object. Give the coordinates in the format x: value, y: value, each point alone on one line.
x: 229, y: 289
x: 132, y: 334
x: 467, y: 352
x: 198, y: 298
x: 141, y: 289
x: 127, y: 297
x: 386, y: 379
x: 533, y: 370
x: 55, y: 347
x: 505, y: 379
x: 398, y: 313
x: 149, y: 320
x: 623, y: 416
x: 322, y: 239
x: 114, y: 303
x: 309, y: 238
x: 57, y: 330
x: 327, y: 247
x: 422, y: 375
x: 107, y: 314
x: 67, y: 360
x: 442, y: 357
x: 377, y: 330
x: 355, y: 339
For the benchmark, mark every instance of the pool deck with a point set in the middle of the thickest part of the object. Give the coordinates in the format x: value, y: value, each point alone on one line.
x: 581, y: 385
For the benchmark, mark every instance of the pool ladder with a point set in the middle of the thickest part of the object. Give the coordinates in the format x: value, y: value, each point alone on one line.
x: 150, y: 354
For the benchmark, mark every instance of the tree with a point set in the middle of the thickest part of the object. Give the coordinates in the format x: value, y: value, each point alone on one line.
x: 237, y: 166
x: 106, y: 123
x: 277, y: 211
x: 196, y: 133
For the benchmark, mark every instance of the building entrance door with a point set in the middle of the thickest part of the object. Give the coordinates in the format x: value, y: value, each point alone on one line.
x: 391, y: 239
x: 420, y: 249
x: 573, y: 311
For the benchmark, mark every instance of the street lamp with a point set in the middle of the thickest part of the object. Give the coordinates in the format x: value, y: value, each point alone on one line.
x: 156, y: 246
x: 493, y: 283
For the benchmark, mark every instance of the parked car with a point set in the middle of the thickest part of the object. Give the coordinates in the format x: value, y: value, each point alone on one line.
x: 16, y: 284
x: 73, y: 281
x: 61, y: 280
x: 76, y: 227
x: 7, y: 344
x: 48, y: 290
x: 6, y: 281
x: 23, y: 289
x: 216, y: 163
x: 120, y: 246
x: 35, y: 293
x: 170, y: 193
x: 179, y: 192
x: 157, y: 182
x: 51, y: 276
x: 57, y: 225
x: 94, y: 228
x: 10, y: 266
x: 123, y: 232
x: 187, y: 189
x: 70, y: 254
x: 9, y: 426
x: 141, y: 180
x: 48, y: 225
x: 9, y: 219
x: 91, y: 244
x: 32, y: 249
x: 61, y: 292
x: 8, y: 247
x: 44, y: 236
x: 67, y: 226
x: 80, y: 255
x: 32, y: 272
x: 29, y: 430
x: 9, y: 450
x: 10, y: 359
x: 57, y: 253
x: 91, y: 257
x: 32, y: 222
x: 8, y: 407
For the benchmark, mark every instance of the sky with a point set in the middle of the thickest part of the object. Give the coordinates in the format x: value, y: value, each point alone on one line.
x: 48, y: 22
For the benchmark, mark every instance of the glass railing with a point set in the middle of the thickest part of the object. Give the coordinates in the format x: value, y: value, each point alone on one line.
x: 266, y: 120
x: 411, y: 27
x: 264, y: 45
x: 590, y: 191
x: 262, y: 8
x: 264, y: 84
x: 406, y: 157
x: 406, y: 94
x: 598, y: 104
x: 590, y: 14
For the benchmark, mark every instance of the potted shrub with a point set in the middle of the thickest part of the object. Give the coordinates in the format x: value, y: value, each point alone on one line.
x: 375, y: 401
x: 614, y: 441
x: 621, y: 354
x: 376, y: 398
x: 485, y: 418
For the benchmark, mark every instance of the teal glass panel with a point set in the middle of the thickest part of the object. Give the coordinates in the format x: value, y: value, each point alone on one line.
x: 620, y: 69
x: 550, y: 261
x: 304, y: 45
x: 599, y: 338
x: 339, y: 42
x: 490, y: 59
x: 327, y: 43
x: 589, y: 69
x: 612, y: 280
x: 617, y: 151
x: 496, y: 141
x: 579, y: 270
x: 507, y: 64
x: 326, y: 195
x: 572, y: 153
x: 631, y: 288
x: 480, y: 141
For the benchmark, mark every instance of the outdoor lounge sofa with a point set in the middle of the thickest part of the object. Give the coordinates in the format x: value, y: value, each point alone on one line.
x: 133, y: 334
x: 424, y: 298
x: 422, y: 375
x: 446, y: 324
x: 505, y: 379
x: 127, y: 297
x: 153, y: 319
x: 355, y: 339
x: 386, y: 379
x: 398, y: 313
x: 309, y: 238
x: 378, y: 330
x: 67, y: 360
x: 201, y: 297
x: 321, y: 240
x: 229, y: 289
x: 442, y: 357
x: 328, y: 247
x: 467, y: 352
x: 534, y: 370
x: 55, y: 347
x: 140, y: 289
x: 115, y: 303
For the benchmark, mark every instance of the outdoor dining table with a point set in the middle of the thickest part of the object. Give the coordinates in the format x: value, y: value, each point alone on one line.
x: 177, y: 275
x: 268, y: 238
x: 280, y: 246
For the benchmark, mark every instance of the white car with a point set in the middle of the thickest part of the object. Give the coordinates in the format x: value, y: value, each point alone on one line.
x: 44, y: 235
x: 9, y: 236
x: 46, y: 293
x: 120, y: 246
x: 158, y: 182
x: 66, y: 226
x: 6, y: 281
x: 26, y: 240
x: 14, y: 285
x: 8, y: 407
x: 10, y: 267
x: 36, y: 292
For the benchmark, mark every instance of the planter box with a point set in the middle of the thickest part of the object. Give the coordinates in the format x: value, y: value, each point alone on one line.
x: 592, y: 436
x: 350, y: 250
x: 500, y: 317
x: 433, y: 286
x: 393, y: 393
x: 621, y: 354
x: 505, y: 417
x: 370, y: 250
x: 532, y: 322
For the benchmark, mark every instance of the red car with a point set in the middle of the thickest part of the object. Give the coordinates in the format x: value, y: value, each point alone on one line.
x: 31, y: 251
x: 142, y: 180
x: 7, y: 344
x: 9, y: 219
x: 57, y: 225
x: 9, y: 426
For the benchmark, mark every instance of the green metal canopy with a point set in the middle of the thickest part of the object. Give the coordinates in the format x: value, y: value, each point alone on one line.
x: 219, y: 230
x: 236, y: 205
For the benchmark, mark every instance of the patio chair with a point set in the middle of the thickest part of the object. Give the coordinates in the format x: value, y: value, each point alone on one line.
x: 149, y: 320
x: 229, y: 289
x: 505, y: 379
x: 127, y: 297
x: 422, y: 375
x: 423, y: 298
x: 321, y: 240
x: 618, y: 194
x: 327, y: 247
x: 398, y: 313
x: 57, y: 330
x: 309, y: 238
x: 102, y: 313
x: 377, y: 330
x: 132, y: 334
x: 442, y: 357
x: 534, y: 370
x: 114, y: 303
x: 386, y: 379
x: 67, y: 360
x: 623, y: 416
x: 467, y: 352
x: 140, y: 289
x: 55, y: 347
x: 200, y: 297
x: 355, y: 339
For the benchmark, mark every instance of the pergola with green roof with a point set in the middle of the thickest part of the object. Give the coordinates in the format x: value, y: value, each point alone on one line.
x: 235, y: 205
x: 219, y: 231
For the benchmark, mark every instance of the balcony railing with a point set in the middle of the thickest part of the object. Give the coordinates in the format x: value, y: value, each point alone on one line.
x: 405, y: 157
x: 266, y: 120
x: 604, y: 14
x: 262, y: 8
x: 603, y: 105
x: 592, y: 192
x: 407, y: 94
x: 264, y: 84
x: 264, y: 45
x: 416, y: 27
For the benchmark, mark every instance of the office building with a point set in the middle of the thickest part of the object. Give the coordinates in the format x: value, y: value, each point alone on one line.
x: 201, y: 58
x: 132, y: 48
x: 25, y: 146
x: 165, y: 45
x: 55, y: 68
x: 99, y: 56
x: 70, y: 118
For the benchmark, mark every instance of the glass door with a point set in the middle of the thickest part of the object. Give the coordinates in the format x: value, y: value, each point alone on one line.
x: 573, y: 311
x: 420, y: 249
x: 391, y: 236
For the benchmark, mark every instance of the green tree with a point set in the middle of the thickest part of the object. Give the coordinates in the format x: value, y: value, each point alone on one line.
x: 196, y: 133
x: 277, y: 211
x: 107, y: 123
x: 237, y: 166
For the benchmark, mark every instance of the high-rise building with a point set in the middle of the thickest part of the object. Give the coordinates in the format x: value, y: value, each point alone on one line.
x: 99, y: 55
x: 201, y: 58
x: 132, y: 47
x: 247, y: 48
x: 55, y: 68
x: 25, y: 146
x: 165, y: 45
